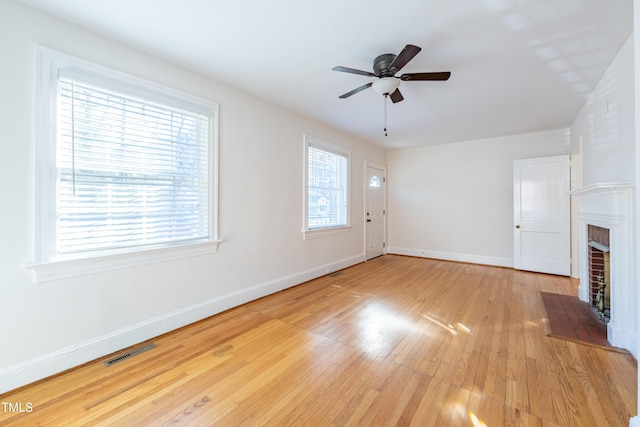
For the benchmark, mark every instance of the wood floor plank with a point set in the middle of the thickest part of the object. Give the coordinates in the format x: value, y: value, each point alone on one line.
x: 432, y: 404
x: 393, y: 341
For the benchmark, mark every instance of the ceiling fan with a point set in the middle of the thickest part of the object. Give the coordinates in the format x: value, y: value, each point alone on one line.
x: 385, y: 67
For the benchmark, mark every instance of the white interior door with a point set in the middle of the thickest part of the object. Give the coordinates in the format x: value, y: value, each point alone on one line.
x: 541, y: 215
x: 375, y: 211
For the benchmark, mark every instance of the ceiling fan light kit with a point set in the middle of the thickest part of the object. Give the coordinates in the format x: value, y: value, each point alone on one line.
x: 384, y: 68
x: 386, y: 85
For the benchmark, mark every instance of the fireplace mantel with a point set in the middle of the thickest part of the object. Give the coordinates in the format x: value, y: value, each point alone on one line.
x: 603, y: 188
x: 611, y: 205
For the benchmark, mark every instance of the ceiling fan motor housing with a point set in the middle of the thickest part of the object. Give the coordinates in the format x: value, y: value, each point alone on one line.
x: 381, y: 65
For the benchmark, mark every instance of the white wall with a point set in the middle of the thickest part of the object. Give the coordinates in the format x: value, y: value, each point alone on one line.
x: 48, y: 327
x: 455, y: 201
x: 603, y: 133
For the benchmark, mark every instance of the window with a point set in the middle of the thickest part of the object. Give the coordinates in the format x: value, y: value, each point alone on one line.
x: 326, y: 186
x: 126, y: 166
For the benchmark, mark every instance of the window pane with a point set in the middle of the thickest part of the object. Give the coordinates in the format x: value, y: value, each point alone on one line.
x: 130, y: 173
x: 327, y: 189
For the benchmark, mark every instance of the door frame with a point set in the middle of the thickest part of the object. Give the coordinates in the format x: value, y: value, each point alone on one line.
x: 383, y: 168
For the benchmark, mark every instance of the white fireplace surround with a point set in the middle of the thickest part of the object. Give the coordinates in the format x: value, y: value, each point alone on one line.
x: 611, y: 206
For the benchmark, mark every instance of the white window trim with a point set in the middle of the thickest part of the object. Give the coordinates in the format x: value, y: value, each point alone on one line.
x: 314, y: 233
x: 49, y: 63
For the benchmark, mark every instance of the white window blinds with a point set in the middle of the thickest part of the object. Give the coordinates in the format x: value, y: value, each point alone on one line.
x: 326, y: 188
x: 131, y: 172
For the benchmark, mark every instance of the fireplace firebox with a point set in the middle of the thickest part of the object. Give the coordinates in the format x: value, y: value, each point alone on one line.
x: 599, y: 258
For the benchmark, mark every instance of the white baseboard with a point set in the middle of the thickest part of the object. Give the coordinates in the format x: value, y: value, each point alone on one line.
x: 635, y: 421
x: 451, y: 256
x: 42, y: 367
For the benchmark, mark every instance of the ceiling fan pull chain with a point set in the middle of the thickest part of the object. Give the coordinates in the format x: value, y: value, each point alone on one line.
x: 385, y: 115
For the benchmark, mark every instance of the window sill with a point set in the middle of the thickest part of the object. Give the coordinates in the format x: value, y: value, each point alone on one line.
x: 60, y: 269
x: 323, y: 232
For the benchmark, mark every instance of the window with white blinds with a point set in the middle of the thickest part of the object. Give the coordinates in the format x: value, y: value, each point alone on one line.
x: 327, y: 185
x: 130, y: 172
x: 132, y: 163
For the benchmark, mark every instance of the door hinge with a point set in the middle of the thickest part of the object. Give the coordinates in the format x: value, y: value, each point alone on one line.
x: 384, y: 245
x: 384, y: 179
x: 384, y: 211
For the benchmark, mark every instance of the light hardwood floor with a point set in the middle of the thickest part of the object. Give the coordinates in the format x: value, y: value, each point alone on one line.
x: 394, y: 341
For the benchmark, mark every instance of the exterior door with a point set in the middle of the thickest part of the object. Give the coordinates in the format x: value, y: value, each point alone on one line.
x: 541, y: 215
x: 375, y: 211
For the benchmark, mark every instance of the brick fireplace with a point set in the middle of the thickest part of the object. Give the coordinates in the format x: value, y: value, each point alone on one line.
x: 607, y: 256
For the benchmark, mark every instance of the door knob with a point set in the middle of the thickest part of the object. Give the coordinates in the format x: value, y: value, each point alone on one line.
x: 368, y: 220
x: 517, y: 226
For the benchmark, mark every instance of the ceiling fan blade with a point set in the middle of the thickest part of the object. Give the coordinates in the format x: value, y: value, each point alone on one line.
x: 396, y: 96
x: 404, y: 57
x: 353, y: 71
x: 356, y: 90
x: 444, y: 75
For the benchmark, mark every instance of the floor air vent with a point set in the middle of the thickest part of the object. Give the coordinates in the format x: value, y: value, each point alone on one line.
x: 129, y: 354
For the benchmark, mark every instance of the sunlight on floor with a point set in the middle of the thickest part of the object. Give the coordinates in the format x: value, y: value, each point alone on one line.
x: 379, y: 324
x: 453, y: 330
x: 463, y: 327
x: 456, y: 412
x: 476, y: 421
x: 535, y: 324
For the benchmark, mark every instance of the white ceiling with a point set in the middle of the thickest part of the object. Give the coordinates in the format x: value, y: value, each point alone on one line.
x: 517, y: 65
